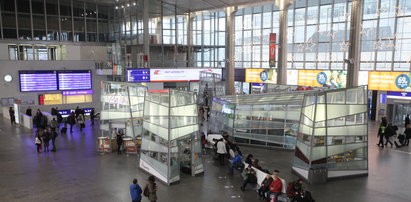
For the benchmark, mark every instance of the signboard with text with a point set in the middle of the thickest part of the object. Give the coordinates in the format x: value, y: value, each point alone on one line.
x: 272, y: 46
x: 321, y: 78
x: 175, y: 75
x: 261, y: 76
x: 389, y: 81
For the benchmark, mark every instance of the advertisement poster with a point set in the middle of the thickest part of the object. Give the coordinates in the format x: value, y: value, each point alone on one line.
x: 261, y: 76
x: 173, y: 75
x: 272, y: 46
x: 389, y: 81
x: 320, y: 78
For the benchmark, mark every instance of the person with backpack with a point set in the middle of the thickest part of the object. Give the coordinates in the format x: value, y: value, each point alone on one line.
x: 381, y: 135
x: 249, y: 176
x: 53, y: 136
x: 135, y: 191
x: 71, y: 120
x: 150, y: 190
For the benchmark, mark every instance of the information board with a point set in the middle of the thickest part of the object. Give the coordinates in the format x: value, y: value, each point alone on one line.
x: 174, y: 75
x: 74, y: 80
x: 38, y: 81
x: 138, y: 75
x: 322, y: 78
x: 389, y: 81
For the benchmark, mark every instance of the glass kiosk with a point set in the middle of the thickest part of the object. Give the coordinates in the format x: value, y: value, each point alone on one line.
x: 170, y: 141
x: 122, y: 109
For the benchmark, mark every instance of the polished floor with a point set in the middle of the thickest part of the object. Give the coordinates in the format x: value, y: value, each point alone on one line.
x: 76, y: 172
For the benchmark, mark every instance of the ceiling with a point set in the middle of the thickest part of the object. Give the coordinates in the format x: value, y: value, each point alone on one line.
x: 190, y: 5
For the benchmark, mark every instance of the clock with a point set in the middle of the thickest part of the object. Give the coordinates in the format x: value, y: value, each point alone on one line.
x: 8, y: 78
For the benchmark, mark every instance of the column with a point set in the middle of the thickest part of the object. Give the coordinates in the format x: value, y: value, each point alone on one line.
x: 282, y: 41
x: 190, y: 54
x: 146, y: 36
x: 229, y: 51
x: 353, y: 61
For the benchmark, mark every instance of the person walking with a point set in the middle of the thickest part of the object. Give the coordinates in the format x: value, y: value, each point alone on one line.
x: 135, y: 191
x: 389, y: 132
x: 81, y: 121
x: 407, y: 121
x: 92, y: 116
x: 12, y: 116
x: 119, y: 139
x: 77, y: 111
x: 37, y: 141
x: 71, y: 119
x: 381, y: 135
x: 53, y: 136
x: 407, y: 133
x: 46, y: 140
x: 150, y: 191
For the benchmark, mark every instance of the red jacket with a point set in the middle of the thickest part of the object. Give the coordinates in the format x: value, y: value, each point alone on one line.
x: 276, y: 186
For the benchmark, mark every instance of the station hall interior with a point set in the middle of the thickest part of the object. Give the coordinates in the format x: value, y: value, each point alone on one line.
x: 205, y: 100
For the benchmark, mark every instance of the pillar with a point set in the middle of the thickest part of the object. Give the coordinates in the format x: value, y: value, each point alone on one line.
x: 353, y: 61
x: 146, y: 36
x: 282, y: 41
x: 229, y: 51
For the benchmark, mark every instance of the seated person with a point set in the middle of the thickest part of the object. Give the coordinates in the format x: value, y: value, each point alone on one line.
x: 295, y: 190
x: 237, y: 162
x: 256, y: 164
x: 275, y: 187
x: 264, y: 186
x: 249, y: 159
x: 249, y: 176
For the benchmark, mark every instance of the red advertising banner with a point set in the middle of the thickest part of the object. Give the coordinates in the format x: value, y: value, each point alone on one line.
x: 272, y: 46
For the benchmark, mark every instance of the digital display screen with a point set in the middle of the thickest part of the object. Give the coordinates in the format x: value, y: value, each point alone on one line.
x: 38, y: 81
x: 138, y: 75
x: 74, y: 80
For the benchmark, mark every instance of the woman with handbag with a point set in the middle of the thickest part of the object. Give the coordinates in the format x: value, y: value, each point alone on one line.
x: 150, y: 191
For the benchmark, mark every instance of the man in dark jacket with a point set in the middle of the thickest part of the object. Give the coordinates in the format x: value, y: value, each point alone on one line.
x: 249, y: 176
x: 264, y: 186
x: 71, y: 120
x: 407, y: 120
x: 407, y: 133
x: 28, y: 111
x: 53, y: 136
x: 12, y: 116
x: 389, y: 132
x: 119, y: 139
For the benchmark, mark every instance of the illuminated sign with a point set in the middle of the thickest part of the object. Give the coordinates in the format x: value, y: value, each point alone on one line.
x: 389, y: 81
x: 173, y: 75
x: 78, y: 92
x: 320, y: 78
x: 138, y: 75
x: 260, y: 76
x: 38, y: 81
x: 74, y: 79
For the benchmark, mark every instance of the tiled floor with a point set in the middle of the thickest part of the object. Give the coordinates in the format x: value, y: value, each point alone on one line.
x: 76, y: 172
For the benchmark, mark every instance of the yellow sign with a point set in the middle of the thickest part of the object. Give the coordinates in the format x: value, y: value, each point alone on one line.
x: 53, y: 99
x: 260, y: 76
x: 389, y: 81
x: 321, y: 78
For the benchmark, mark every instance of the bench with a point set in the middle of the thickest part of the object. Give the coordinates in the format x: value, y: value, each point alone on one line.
x: 260, y: 178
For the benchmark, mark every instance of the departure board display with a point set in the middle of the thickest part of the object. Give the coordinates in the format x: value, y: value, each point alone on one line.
x: 74, y: 80
x: 138, y: 75
x: 38, y: 81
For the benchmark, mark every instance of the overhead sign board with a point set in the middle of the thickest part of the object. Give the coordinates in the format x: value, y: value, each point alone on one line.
x: 138, y: 75
x: 321, y: 78
x: 174, y: 75
x: 261, y: 76
x: 389, y: 81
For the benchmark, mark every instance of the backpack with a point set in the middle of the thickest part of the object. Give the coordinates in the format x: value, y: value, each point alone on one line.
x: 146, y: 192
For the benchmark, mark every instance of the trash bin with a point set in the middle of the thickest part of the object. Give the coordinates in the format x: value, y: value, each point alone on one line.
x: 317, y: 175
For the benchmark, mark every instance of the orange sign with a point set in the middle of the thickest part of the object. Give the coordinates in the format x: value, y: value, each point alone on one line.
x: 389, y: 81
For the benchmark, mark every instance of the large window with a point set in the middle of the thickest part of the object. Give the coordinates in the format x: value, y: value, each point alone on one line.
x: 386, y: 35
x: 34, y: 52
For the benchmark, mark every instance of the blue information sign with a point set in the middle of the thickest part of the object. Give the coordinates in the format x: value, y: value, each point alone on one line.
x: 38, y: 81
x: 75, y: 80
x: 138, y: 75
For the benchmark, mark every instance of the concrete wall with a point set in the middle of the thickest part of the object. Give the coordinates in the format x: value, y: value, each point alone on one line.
x: 12, y: 89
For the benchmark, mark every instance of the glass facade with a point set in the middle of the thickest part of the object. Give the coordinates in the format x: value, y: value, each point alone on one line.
x: 55, y: 20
